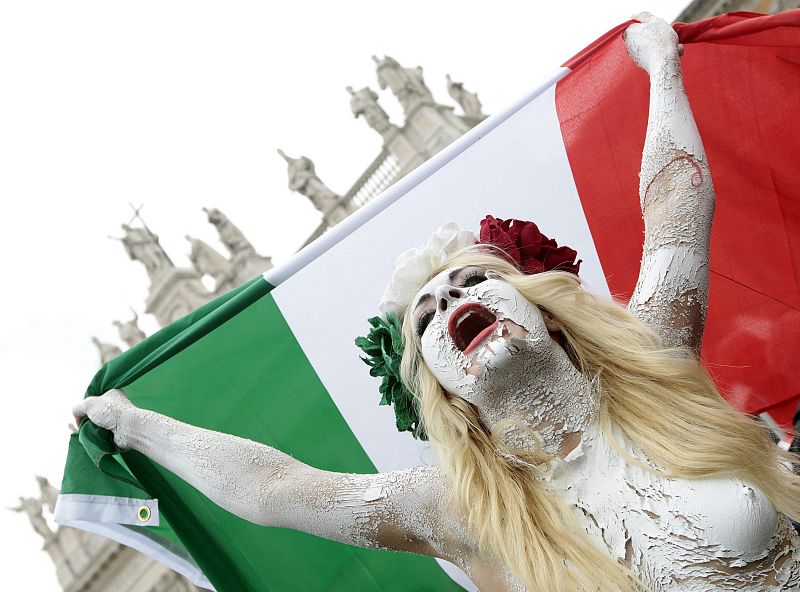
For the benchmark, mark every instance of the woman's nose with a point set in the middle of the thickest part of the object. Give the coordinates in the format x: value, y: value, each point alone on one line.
x: 445, y: 295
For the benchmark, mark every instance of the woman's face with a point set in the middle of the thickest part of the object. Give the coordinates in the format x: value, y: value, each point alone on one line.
x: 471, y: 323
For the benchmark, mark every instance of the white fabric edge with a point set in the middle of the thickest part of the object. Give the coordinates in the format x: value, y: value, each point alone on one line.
x: 104, y: 509
x: 457, y: 575
x: 281, y: 273
x: 130, y: 538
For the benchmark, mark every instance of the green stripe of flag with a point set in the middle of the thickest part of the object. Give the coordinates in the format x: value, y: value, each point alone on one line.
x: 236, y: 367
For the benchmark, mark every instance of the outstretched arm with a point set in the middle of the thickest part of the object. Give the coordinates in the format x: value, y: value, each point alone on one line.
x: 676, y: 193
x: 398, y: 510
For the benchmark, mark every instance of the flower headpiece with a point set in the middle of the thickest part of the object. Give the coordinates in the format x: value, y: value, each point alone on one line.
x: 520, y: 242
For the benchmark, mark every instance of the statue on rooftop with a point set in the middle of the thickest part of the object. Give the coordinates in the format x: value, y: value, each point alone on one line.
x: 468, y: 101
x: 407, y: 84
x: 208, y: 261
x: 48, y: 493
x: 142, y: 245
x: 303, y: 179
x: 365, y: 102
x: 129, y: 331
x: 33, y: 508
x: 108, y: 351
x: 230, y: 235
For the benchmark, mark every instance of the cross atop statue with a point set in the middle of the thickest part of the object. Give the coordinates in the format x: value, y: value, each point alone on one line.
x: 303, y: 179
x: 468, y: 101
x: 407, y: 84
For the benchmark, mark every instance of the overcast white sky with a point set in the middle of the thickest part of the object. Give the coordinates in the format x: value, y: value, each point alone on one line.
x: 180, y: 105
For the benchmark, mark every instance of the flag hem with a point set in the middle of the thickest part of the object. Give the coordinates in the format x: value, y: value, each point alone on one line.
x: 105, y: 509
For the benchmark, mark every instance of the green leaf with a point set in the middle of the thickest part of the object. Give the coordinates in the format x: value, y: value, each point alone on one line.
x: 383, y: 346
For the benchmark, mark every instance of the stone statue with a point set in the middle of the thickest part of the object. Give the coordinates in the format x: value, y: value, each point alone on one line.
x: 48, y: 493
x: 407, y: 84
x: 209, y: 262
x: 468, y: 101
x: 230, y: 235
x: 33, y: 508
x: 107, y: 351
x: 129, y: 331
x: 303, y: 179
x: 365, y: 102
x: 142, y: 245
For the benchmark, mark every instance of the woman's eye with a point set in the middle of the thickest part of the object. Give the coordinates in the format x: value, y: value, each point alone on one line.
x: 423, y: 322
x: 474, y: 280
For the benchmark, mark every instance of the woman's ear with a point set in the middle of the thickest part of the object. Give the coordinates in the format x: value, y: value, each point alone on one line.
x: 552, y: 325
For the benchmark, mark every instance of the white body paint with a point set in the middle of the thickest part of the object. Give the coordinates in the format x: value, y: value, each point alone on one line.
x: 676, y: 194
x: 399, y: 510
x: 703, y: 535
x: 519, y: 372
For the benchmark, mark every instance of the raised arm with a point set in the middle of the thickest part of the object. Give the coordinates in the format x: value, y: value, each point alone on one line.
x: 676, y: 193
x: 400, y: 510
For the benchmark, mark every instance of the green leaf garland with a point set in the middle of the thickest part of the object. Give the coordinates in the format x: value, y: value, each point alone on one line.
x: 383, y: 346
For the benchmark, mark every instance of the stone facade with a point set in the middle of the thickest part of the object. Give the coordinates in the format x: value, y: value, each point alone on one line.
x: 701, y: 9
x: 176, y: 291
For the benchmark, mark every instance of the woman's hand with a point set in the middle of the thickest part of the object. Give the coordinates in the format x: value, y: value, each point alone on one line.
x: 651, y: 42
x: 110, y: 411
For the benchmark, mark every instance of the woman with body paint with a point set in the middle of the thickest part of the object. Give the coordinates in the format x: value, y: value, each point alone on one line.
x: 581, y: 446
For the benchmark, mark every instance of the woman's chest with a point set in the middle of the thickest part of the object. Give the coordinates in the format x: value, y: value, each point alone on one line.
x: 676, y: 534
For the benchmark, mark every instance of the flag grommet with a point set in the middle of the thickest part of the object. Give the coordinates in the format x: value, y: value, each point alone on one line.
x: 143, y: 514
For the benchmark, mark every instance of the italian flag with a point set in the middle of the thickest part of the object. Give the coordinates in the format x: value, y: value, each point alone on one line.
x: 274, y: 361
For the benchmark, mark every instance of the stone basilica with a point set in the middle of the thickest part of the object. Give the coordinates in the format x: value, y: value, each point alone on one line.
x: 86, y: 562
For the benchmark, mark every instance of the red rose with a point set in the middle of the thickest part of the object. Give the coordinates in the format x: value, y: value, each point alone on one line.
x: 526, y: 247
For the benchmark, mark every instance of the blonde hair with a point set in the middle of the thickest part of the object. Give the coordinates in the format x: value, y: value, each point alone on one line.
x: 660, y: 399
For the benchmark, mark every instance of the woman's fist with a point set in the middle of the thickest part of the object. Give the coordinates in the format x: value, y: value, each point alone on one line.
x: 110, y: 411
x: 651, y: 42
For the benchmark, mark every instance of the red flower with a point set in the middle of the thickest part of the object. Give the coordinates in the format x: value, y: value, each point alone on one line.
x: 526, y: 247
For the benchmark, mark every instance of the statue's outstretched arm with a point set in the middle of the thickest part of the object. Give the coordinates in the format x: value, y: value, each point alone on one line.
x: 401, y: 510
x: 677, y: 196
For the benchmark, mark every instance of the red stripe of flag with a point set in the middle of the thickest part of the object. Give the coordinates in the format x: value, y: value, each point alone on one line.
x: 742, y: 75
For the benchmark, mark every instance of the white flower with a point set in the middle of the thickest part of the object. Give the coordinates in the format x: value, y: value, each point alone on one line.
x: 414, y: 267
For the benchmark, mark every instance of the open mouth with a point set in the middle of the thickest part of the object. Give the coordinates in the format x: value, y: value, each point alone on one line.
x: 470, y: 324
